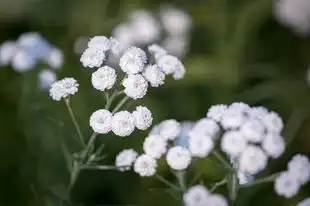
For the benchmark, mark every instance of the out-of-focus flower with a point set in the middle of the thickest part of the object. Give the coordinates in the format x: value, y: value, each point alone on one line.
x: 7, y: 52
x: 125, y: 159
x: 155, y: 146
x: 55, y: 58
x: 286, y: 185
x: 46, y: 78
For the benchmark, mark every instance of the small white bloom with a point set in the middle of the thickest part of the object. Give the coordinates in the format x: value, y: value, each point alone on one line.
x: 133, y: 60
x: 46, y: 78
x: 216, y: 112
x: 7, y: 52
x: 299, y: 166
x: 253, y: 160
x: 93, y: 57
x: 179, y: 72
x: 156, y: 50
x: 101, y: 121
x: 286, y: 185
x: 178, y: 158
x: 240, y: 107
x: 154, y: 75
x: 155, y: 146
x: 233, y: 143
x: 55, y: 58
x: 216, y: 200
x: 169, y: 64
x: 104, y: 78
x: 145, y: 166
x: 143, y: 117
x: 155, y: 130
x: 135, y: 86
x: 23, y: 62
x: 273, y: 145
x: 176, y: 45
x: 63, y: 88
x: 169, y: 129
x: 257, y: 112
x: 196, y: 196
x: 115, y: 46
x: 123, y: 123
x: 125, y: 159
x: 273, y: 122
x: 205, y: 127
x: 100, y: 42
x: 305, y: 202
x: 200, y: 146
x: 253, y: 130
x: 186, y: 127
x: 233, y: 118
x: 124, y: 33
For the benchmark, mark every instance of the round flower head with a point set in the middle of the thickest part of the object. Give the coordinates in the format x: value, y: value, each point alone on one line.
x: 169, y: 129
x: 124, y: 34
x: 125, y: 159
x: 196, y: 196
x: 145, y: 166
x: 135, y: 86
x: 169, y: 64
x: 55, y: 58
x: 155, y: 130
x: 257, y: 112
x: 176, y: 45
x: 182, y: 138
x: 305, y: 202
x: 253, y: 160
x: 115, y: 46
x: 273, y: 122
x: 205, y: 127
x: 93, y: 57
x: 154, y: 75
x: 233, y: 143
x: 63, y: 88
x: 233, y: 118
x: 200, y: 146
x: 273, y: 145
x: 217, y: 112
x: 100, y: 42
x: 286, y: 185
x: 104, y: 78
x: 22, y: 61
x: 123, y: 123
x: 156, y: 50
x: 133, y: 60
x: 216, y: 200
x: 253, y: 130
x: 101, y: 121
x: 299, y: 166
x: 7, y: 52
x: 240, y: 107
x: 154, y: 146
x: 178, y: 158
x: 46, y: 78
x: 143, y: 117
x: 179, y: 72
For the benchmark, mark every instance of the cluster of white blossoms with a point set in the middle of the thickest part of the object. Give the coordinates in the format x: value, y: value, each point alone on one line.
x: 289, y: 182
x: 63, y: 88
x: 29, y: 50
x: 198, y: 195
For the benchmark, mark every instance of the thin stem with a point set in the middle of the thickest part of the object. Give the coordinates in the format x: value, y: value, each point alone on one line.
x: 89, y: 145
x: 76, y: 125
x: 181, y: 179
x: 120, y: 104
x: 233, y: 186
x: 195, y: 179
x: 267, y: 179
x: 99, y: 167
x: 222, y: 159
x: 166, y: 182
x: 218, y: 184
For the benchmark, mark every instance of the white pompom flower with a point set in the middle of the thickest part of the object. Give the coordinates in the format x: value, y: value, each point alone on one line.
x: 123, y: 123
x: 286, y: 185
x: 143, y: 117
x: 205, y: 127
x: 55, y: 58
x: 169, y: 129
x: 155, y: 146
x: 178, y: 158
x: 179, y: 72
x: 299, y: 166
x: 273, y: 122
x: 23, y: 61
x: 154, y: 75
x: 63, y: 88
x: 305, y: 202
x: 101, y: 121
x: 200, y: 146
x: 169, y: 64
x: 274, y: 145
x: 216, y: 112
x: 125, y: 159
x: 104, y: 78
x: 196, y: 196
x: 233, y: 118
x: 93, y: 57
x: 7, y: 52
x: 233, y: 143
x: 156, y: 50
x: 115, y: 46
x: 253, y: 130
x: 133, y: 60
x: 135, y: 86
x: 253, y: 160
x: 216, y: 200
x: 257, y: 113
x: 145, y: 166
x: 100, y: 42
x: 46, y: 78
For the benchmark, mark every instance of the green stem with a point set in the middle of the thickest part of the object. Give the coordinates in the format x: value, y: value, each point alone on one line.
x: 99, y: 167
x: 270, y: 178
x: 89, y: 147
x: 218, y: 184
x: 233, y: 186
x: 74, y: 174
x: 76, y: 125
x: 181, y: 179
x: 166, y: 182
x: 120, y: 104
x: 222, y: 160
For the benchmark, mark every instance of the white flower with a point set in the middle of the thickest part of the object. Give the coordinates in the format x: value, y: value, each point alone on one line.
x: 169, y: 129
x: 200, y: 146
x: 186, y: 127
x: 205, y: 127
x: 101, y: 121
x: 63, y: 88
x: 46, y: 78
x: 156, y: 50
x: 257, y: 112
x: 273, y: 122
x: 305, y: 202
x: 133, y: 60
x: 216, y: 112
x: 143, y: 117
x: 104, y: 78
x: 240, y: 107
x: 125, y: 159
x: 123, y: 123
x: 93, y: 57
x: 154, y: 75
x: 299, y: 166
x: 244, y: 178
x: 124, y: 33
x: 176, y: 45
x: 196, y: 196
x: 286, y: 185
x: 7, y: 52
x: 155, y: 130
x: 155, y: 146
x: 135, y: 86
x: 253, y: 160
x: 179, y: 72
x: 55, y: 58
x: 216, y: 200
x: 233, y: 118
x: 100, y: 42
x: 253, y: 130
x: 145, y: 166
x: 178, y: 158
x: 23, y: 62
x: 169, y: 64
x: 273, y: 145
x: 115, y: 46
x: 233, y: 143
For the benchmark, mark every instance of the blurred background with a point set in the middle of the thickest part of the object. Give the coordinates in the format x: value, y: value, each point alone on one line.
x: 235, y: 50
